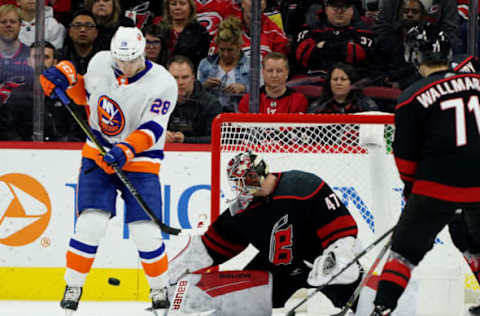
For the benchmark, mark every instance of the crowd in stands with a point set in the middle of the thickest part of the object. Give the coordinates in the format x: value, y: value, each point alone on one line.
x: 317, y: 55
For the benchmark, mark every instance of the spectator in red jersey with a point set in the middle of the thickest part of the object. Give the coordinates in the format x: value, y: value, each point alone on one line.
x: 15, y: 70
x: 187, y: 37
x: 339, y: 95
x: 275, y: 96
x: 210, y: 13
x: 337, y: 38
x: 156, y: 48
x: 272, y: 37
x: 108, y: 16
x: 54, y: 31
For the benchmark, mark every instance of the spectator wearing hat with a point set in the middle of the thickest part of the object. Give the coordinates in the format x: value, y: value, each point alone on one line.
x: 337, y: 38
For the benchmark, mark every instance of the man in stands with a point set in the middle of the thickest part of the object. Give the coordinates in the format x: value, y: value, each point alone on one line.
x: 275, y: 96
x: 196, y: 108
x: 437, y: 122
x: 15, y: 70
x: 293, y: 218
x: 80, y: 45
x: 338, y: 38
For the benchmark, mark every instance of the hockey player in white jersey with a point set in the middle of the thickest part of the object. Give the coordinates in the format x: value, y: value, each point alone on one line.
x: 129, y: 101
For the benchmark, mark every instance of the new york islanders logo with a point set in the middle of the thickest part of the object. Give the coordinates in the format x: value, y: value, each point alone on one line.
x: 25, y: 209
x: 110, y: 116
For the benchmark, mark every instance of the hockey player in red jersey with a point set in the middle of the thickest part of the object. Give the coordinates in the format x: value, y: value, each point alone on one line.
x: 293, y: 218
x: 437, y: 149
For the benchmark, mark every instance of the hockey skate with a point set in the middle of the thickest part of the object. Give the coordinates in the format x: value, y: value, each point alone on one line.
x: 381, y: 311
x: 159, y: 298
x: 474, y: 310
x: 70, y: 299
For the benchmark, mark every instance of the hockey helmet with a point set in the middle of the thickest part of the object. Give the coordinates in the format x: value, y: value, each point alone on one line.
x: 246, y: 173
x: 429, y: 45
x: 127, y: 44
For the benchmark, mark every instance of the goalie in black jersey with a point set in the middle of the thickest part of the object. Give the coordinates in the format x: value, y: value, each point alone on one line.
x: 437, y: 150
x: 303, y: 232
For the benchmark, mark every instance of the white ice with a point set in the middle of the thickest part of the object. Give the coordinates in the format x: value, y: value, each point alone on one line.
x: 90, y: 308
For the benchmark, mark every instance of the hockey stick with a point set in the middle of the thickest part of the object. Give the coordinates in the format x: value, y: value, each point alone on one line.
x: 121, y: 175
x: 367, y: 277
x: 321, y: 287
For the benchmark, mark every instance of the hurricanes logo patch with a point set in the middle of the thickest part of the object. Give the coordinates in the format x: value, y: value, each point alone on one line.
x: 110, y: 116
x: 25, y: 209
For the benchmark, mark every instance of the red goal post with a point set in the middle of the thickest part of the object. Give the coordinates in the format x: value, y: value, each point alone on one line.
x: 351, y: 152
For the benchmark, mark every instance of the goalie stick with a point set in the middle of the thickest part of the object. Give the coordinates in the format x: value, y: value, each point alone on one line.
x: 291, y: 312
x: 366, y: 278
x: 121, y: 175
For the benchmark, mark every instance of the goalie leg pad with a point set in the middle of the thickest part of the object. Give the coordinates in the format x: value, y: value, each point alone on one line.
x: 151, y: 249
x: 192, y: 257
x: 233, y: 293
x: 90, y: 228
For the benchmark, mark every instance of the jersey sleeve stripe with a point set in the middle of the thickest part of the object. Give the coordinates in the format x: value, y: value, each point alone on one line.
x: 406, y: 167
x: 447, y: 192
x: 139, y: 140
x: 340, y: 227
x: 155, y: 128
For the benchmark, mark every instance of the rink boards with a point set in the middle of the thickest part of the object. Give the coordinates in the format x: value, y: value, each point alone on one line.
x: 37, y: 215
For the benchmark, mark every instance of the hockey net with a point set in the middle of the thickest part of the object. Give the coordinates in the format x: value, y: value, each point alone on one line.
x: 352, y: 153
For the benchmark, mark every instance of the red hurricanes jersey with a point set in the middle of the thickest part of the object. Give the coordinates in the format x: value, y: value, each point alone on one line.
x: 289, y: 102
x: 211, y: 12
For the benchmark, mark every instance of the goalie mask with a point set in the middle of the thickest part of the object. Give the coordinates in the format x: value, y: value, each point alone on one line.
x: 246, y: 173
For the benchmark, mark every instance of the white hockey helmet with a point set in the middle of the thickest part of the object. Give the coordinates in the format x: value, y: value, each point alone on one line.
x: 127, y: 44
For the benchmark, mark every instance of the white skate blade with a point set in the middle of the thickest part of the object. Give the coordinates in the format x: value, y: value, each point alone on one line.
x: 69, y: 312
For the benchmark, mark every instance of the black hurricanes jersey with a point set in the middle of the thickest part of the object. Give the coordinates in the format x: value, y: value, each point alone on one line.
x: 296, y: 222
x: 437, y: 139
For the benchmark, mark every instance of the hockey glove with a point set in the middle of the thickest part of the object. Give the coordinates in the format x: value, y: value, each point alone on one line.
x: 355, y: 53
x: 332, y: 261
x: 120, y: 154
x: 63, y: 76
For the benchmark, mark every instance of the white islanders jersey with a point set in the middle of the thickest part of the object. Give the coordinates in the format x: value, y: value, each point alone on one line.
x: 119, y: 106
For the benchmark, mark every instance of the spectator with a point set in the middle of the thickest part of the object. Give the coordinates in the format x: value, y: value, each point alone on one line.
x: 15, y: 70
x: 339, y: 96
x: 156, y: 48
x: 338, y: 38
x: 401, y: 70
x: 463, y: 10
x: 372, y: 12
x: 188, y: 37
x: 54, y: 31
x: 142, y: 12
x: 272, y: 37
x: 210, y: 13
x: 275, y: 96
x: 225, y: 74
x: 443, y: 12
x: 81, y: 45
x: 58, y: 124
x: 108, y: 16
x: 192, y: 118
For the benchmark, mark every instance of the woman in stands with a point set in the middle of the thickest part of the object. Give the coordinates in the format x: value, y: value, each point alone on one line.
x: 225, y: 74
x: 339, y: 96
x: 156, y: 48
x: 187, y: 37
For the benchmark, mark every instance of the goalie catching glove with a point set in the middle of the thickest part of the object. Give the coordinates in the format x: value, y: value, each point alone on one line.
x: 332, y: 261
